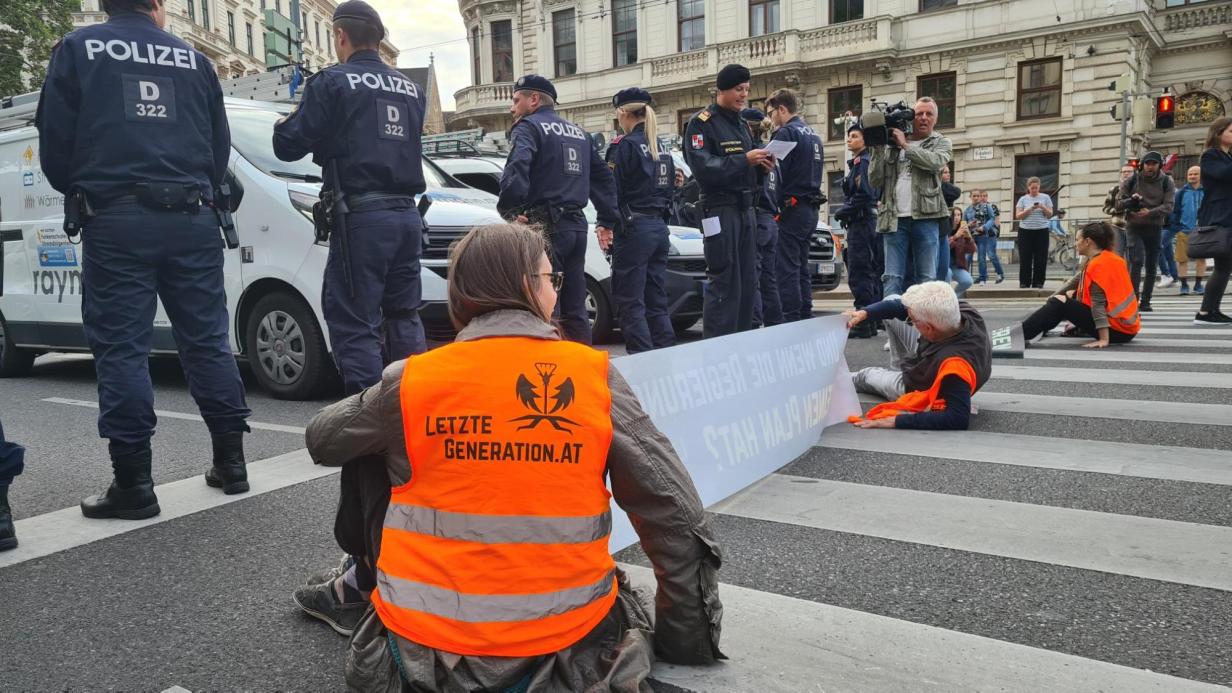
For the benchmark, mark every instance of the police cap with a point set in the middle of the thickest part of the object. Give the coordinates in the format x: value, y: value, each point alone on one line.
x: 732, y: 76
x: 358, y: 9
x: 752, y: 115
x: 535, y: 83
x: 630, y: 95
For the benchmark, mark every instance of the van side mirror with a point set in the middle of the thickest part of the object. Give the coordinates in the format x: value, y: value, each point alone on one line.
x: 237, y: 191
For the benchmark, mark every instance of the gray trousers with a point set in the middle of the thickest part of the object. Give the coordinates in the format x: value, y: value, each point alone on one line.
x: 887, y: 383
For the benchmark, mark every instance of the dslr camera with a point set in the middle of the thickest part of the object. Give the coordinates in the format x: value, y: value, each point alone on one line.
x: 877, y: 122
x: 1134, y: 204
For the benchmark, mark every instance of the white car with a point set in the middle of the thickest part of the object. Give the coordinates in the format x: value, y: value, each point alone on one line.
x: 273, y: 280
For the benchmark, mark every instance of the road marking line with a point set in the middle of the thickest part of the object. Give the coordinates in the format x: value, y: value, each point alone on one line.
x: 1150, y: 342
x: 281, y: 428
x: 1115, y: 355
x: 779, y: 644
x: 1100, y: 408
x: 1180, y: 552
x: 1114, y: 376
x: 1191, y: 331
x: 66, y: 529
x: 1172, y: 463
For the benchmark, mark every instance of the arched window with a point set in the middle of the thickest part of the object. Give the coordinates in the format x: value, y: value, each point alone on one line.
x: 1198, y: 107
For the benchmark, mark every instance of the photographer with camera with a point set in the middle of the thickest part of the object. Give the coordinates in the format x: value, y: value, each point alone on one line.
x: 908, y: 156
x: 1146, y: 199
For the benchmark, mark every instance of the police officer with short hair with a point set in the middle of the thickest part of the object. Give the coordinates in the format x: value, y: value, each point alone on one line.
x: 721, y: 153
x: 800, y: 199
x: 362, y: 121
x: 552, y: 169
x: 767, y: 310
x: 132, y: 130
x: 645, y: 183
x: 865, y: 251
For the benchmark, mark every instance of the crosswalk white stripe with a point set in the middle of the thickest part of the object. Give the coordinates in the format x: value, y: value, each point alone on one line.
x: 1180, y: 552
x: 1115, y: 355
x: 1192, y: 331
x: 163, y: 414
x: 1159, y: 342
x: 1114, y: 376
x: 783, y: 644
x: 1102, y: 408
x: 1173, y: 463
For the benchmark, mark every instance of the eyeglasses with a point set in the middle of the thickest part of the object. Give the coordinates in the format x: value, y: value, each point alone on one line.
x: 557, y: 279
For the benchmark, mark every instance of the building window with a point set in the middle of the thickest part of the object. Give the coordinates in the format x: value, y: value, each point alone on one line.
x: 763, y: 17
x: 303, y: 24
x: 317, y: 31
x: 476, y: 73
x: 248, y: 32
x: 192, y: 10
x: 926, y: 5
x: 846, y: 10
x: 624, y: 32
x: 1046, y: 167
x: 1039, y: 88
x: 502, y: 51
x: 941, y: 87
x: 278, y: 6
x: 691, y: 16
x: 205, y: 13
x: 839, y: 102
x: 231, y: 27
x: 564, y: 42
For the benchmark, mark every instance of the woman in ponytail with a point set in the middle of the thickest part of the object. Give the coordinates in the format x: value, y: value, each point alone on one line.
x: 645, y: 177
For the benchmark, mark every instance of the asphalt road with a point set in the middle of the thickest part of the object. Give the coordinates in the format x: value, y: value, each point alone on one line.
x: 203, y: 601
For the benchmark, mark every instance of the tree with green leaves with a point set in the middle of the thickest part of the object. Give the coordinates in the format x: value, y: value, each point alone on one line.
x: 28, y: 30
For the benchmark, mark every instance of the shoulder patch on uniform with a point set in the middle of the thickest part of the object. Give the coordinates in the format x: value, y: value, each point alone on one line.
x: 617, y: 139
x: 703, y: 116
x: 611, y: 165
x: 698, y: 141
x: 855, y: 161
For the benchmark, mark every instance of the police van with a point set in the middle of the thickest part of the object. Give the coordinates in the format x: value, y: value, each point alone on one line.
x: 273, y: 279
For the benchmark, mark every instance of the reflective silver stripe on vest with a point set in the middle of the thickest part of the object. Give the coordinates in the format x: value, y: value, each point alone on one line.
x: 498, y: 529
x: 1129, y: 300
x: 481, y: 608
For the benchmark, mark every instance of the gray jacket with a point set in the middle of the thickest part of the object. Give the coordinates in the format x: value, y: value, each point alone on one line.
x: 926, y: 161
x: 647, y: 480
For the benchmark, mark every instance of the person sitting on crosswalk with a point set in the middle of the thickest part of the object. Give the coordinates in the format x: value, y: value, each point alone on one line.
x: 938, y: 360
x: 1099, y: 300
x: 474, y: 498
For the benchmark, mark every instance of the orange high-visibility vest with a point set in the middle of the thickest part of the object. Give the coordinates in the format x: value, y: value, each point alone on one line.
x: 923, y: 400
x: 498, y: 544
x: 1109, y: 271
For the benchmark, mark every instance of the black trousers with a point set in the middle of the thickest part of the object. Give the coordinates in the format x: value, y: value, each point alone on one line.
x: 1033, y: 256
x: 362, y: 503
x: 731, y: 260
x: 1148, y: 237
x: 1055, y: 310
x: 1216, y: 284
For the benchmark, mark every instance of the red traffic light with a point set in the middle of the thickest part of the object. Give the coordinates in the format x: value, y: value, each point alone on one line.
x: 1133, y: 162
x: 1165, y: 111
x: 1164, y: 104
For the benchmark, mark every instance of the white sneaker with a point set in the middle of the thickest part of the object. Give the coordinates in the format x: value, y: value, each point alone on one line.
x: 886, y: 346
x: 1167, y: 281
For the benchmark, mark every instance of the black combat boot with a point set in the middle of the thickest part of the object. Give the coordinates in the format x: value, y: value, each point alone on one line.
x: 8, y: 535
x: 228, y: 472
x: 131, y: 494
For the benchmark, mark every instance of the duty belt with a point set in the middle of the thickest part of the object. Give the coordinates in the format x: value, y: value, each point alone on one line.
x: 357, y: 203
x: 793, y: 201
x: 742, y: 199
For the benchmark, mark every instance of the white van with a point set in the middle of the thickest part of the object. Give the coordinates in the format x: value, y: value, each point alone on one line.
x: 273, y: 279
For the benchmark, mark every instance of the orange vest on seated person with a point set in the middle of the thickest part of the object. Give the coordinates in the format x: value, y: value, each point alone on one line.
x: 1109, y: 271
x: 498, y: 544
x: 923, y: 400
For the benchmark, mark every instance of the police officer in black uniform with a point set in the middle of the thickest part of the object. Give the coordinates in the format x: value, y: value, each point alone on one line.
x: 132, y: 130
x: 12, y: 458
x: 645, y: 182
x: 552, y: 169
x: 362, y: 121
x: 865, y: 251
x: 719, y: 149
x: 799, y: 201
x: 767, y: 310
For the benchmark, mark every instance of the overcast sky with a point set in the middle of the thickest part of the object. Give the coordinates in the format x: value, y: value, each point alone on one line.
x: 426, y: 27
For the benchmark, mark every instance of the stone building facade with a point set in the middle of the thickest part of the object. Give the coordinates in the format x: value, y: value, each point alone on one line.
x: 1023, y: 84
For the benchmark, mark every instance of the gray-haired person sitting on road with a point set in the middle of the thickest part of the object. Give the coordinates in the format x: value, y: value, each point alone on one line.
x: 940, y: 355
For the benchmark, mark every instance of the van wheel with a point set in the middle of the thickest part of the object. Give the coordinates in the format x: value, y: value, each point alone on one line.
x: 599, y: 312
x: 15, y: 362
x: 286, y: 348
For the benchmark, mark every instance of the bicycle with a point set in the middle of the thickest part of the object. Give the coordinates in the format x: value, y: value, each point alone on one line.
x: 1063, y: 252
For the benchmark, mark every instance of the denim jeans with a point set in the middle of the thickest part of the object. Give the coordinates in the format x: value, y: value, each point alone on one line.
x: 922, y: 237
x: 1167, y: 258
x: 963, y: 277
x: 988, y: 249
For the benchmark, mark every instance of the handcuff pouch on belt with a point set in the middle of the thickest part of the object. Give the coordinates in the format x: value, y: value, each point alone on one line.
x: 77, y: 212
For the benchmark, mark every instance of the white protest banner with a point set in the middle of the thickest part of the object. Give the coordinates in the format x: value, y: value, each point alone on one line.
x: 739, y: 407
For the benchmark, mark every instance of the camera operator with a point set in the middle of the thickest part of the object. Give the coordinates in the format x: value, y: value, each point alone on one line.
x: 1146, y: 199
x: 908, y: 172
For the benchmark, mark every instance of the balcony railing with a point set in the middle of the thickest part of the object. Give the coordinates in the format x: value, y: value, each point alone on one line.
x: 483, y: 96
x: 1197, y: 16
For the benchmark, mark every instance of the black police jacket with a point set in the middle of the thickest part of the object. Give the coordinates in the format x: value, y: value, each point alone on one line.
x: 859, y: 195
x: 802, y: 167
x: 768, y: 190
x: 553, y: 164
x: 716, y: 141
x: 643, y: 184
x: 126, y: 102
x: 369, y: 117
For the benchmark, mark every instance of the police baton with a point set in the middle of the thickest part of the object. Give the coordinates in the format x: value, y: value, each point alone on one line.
x: 339, y: 213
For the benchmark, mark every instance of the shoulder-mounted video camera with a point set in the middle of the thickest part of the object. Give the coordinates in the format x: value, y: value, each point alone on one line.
x: 876, y: 123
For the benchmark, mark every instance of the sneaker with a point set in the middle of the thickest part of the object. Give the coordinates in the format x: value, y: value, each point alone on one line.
x: 1212, y: 319
x: 1199, y: 290
x: 1000, y: 278
x: 886, y: 346
x: 318, y: 601
x: 1167, y: 281
x: 1184, y: 289
x: 1145, y: 308
x: 983, y: 282
x: 335, y: 572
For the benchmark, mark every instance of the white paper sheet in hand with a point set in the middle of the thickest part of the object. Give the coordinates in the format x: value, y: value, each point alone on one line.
x: 779, y: 149
x: 710, y: 226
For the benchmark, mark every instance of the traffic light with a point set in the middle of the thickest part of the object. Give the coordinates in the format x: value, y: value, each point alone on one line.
x: 1165, y: 111
x: 1133, y: 162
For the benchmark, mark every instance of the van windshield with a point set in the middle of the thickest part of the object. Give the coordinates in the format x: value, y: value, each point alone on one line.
x: 252, y: 135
